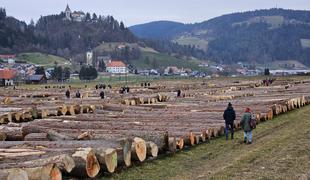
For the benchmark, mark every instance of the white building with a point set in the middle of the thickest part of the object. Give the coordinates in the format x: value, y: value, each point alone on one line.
x: 116, y: 67
x: 89, y: 58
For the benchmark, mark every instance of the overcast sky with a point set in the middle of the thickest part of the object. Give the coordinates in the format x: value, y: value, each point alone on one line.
x: 141, y: 11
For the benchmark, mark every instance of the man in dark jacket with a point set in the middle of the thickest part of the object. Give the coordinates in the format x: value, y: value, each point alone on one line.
x: 229, y: 117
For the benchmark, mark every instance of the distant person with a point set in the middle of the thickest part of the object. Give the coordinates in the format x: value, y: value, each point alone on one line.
x: 68, y: 94
x: 102, y: 95
x: 148, y: 84
x: 229, y: 117
x: 96, y: 86
x: 178, y: 93
x: 246, y: 126
x: 78, y: 94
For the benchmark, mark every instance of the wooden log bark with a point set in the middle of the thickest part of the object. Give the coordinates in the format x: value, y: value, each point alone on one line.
x: 55, y: 136
x: 172, y: 143
x: 48, y: 172
x: 13, y: 174
x: 36, y: 137
x: 12, y: 133
x: 2, y: 136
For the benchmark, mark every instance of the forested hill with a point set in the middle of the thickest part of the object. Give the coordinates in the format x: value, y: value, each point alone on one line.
x: 56, y: 35
x: 159, y: 30
x: 256, y: 36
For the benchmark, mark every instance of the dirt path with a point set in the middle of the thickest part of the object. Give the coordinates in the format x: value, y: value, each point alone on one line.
x: 281, y: 150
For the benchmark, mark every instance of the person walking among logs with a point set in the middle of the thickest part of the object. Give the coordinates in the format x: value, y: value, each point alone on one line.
x: 68, y: 93
x: 102, y: 95
x: 246, y: 126
x: 229, y: 117
x: 178, y: 93
x: 78, y: 94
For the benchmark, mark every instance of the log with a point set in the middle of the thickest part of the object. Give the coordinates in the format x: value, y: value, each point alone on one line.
x: 180, y: 142
x: 36, y: 137
x: 151, y: 149
x: 64, y: 162
x: 12, y: 133
x: 107, y: 157
x: 48, y: 172
x: 86, y: 163
x: 2, y: 136
x: 55, y: 136
x: 138, y: 149
x: 13, y: 174
x: 172, y: 144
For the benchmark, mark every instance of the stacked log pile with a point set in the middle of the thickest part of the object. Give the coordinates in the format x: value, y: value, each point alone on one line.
x: 132, y: 128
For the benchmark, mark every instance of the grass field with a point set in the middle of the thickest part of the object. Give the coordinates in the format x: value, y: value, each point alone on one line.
x: 157, y: 60
x: 280, y: 150
x: 46, y: 60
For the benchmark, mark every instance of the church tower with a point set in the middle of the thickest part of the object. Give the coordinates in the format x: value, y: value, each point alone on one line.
x: 68, y: 12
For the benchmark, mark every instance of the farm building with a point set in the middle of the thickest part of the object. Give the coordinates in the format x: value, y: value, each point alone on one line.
x: 36, y: 79
x: 7, y: 76
x: 116, y: 67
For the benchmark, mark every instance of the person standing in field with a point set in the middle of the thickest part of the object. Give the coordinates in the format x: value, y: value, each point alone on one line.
x: 229, y: 117
x: 246, y: 126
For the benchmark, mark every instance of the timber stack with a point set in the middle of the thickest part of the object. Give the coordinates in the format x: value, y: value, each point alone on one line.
x: 46, y: 136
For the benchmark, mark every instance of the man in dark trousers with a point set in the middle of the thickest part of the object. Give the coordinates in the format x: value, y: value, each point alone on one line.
x: 68, y: 94
x: 178, y: 93
x: 102, y: 95
x: 229, y: 117
x: 78, y: 94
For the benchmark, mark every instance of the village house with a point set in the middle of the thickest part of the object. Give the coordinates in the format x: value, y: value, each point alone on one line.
x: 7, y: 77
x: 8, y: 58
x: 75, y: 16
x: 116, y: 67
x: 172, y: 70
x: 36, y: 79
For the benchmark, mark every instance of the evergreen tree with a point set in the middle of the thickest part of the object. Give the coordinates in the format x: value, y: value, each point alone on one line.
x: 2, y: 13
x: 102, y: 66
x: 88, y: 73
x: 67, y: 73
x: 57, y: 73
x: 94, y: 18
x: 266, y: 72
x: 87, y: 17
x: 40, y: 71
x: 122, y: 26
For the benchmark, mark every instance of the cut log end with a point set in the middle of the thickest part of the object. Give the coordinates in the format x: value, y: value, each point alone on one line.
x: 55, y: 174
x: 180, y: 143
x: 92, y: 165
x: 139, y: 149
x: 110, y: 159
x: 152, y: 149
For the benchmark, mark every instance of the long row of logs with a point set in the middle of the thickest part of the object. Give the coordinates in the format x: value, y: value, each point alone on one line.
x: 133, y: 101
x: 78, y: 145
x: 29, y: 114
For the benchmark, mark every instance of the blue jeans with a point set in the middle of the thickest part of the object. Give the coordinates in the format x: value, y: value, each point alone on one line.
x: 248, y: 136
x: 229, y: 125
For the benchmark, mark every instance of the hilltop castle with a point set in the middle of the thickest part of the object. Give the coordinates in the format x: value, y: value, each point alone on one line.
x: 75, y: 16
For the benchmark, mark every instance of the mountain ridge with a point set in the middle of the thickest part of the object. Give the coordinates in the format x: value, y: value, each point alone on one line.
x: 257, y: 37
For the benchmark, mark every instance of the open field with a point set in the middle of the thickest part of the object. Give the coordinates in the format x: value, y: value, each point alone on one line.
x: 47, y: 134
x: 46, y: 60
